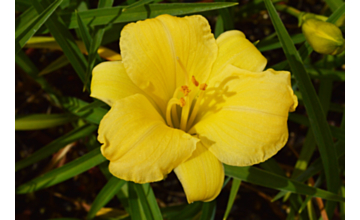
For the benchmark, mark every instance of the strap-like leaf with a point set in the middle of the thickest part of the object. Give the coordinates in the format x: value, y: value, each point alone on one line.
x: 313, y: 107
x: 78, y: 107
x: 115, y: 15
x: 24, y: 33
x: 257, y: 176
x: 63, y: 173
x: 41, y: 121
x: 208, y: 210
x: 234, y: 189
x: 148, y: 201
x: 65, y: 40
x: 105, y: 195
x: 56, y: 145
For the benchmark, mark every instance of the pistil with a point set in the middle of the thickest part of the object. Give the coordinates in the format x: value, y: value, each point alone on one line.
x: 195, y: 110
x: 185, y: 122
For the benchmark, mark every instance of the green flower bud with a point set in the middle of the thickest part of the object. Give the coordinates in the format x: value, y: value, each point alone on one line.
x: 324, y: 37
x: 306, y: 15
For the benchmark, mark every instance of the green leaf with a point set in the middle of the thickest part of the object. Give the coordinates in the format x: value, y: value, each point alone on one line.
x: 41, y: 121
x: 306, y: 153
x: 66, y: 41
x: 337, y: 14
x: 185, y: 211
x: 334, y: 4
x: 219, y: 26
x: 56, y: 145
x: 233, y: 192
x: 84, y: 32
x: 326, y: 74
x: 55, y: 65
x: 25, y: 63
x: 63, y: 173
x: 64, y: 219
x: 313, y: 107
x: 208, y: 210
x: 105, y: 3
x: 136, y: 209
x: 272, y: 44
x: 23, y: 34
x: 315, y: 168
x: 311, y: 211
x: 25, y: 17
x: 137, y: 4
x: 226, y: 18
x: 76, y: 106
x: 148, y: 201
x: 105, y: 195
x: 257, y: 176
x: 22, y: 5
x: 94, y: 46
x: 95, y: 104
x: 336, y: 132
x: 114, y: 15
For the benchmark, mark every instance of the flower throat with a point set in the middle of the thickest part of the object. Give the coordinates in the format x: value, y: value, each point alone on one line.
x: 186, y: 119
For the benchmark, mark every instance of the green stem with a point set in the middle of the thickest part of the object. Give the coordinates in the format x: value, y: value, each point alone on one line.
x: 288, y: 9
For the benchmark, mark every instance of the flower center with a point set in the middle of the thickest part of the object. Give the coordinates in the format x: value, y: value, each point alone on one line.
x: 185, y: 119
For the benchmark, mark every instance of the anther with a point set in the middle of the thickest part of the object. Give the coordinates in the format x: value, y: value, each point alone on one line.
x: 196, y: 83
x: 202, y: 86
x: 185, y: 90
x: 182, y: 102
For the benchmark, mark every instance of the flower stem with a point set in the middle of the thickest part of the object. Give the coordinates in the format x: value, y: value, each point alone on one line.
x: 288, y: 9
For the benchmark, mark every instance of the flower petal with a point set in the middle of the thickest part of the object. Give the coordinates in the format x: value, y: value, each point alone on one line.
x: 235, y: 49
x: 151, y: 49
x: 110, y: 82
x: 201, y: 176
x: 138, y: 143
x: 244, y: 116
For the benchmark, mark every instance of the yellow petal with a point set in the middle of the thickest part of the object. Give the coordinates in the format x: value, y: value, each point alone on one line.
x: 138, y: 143
x: 151, y: 51
x: 243, y: 119
x: 201, y: 176
x: 235, y: 49
x: 110, y: 82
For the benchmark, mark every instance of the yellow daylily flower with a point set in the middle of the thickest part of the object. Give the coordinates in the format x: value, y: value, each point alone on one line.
x: 181, y: 100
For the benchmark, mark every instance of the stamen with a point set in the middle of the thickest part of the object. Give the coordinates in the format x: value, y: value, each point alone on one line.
x: 185, y: 90
x: 196, y: 83
x: 185, y: 112
x: 196, y: 106
x: 175, y: 116
x: 202, y: 86
x: 173, y: 101
x: 182, y: 102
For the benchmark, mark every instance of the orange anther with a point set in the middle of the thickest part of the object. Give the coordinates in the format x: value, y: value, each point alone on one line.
x: 202, y: 86
x: 196, y: 83
x: 185, y: 90
x: 182, y: 102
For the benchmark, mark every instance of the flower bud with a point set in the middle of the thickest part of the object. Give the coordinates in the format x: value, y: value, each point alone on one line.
x: 306, y: 15
x: 324, y: 37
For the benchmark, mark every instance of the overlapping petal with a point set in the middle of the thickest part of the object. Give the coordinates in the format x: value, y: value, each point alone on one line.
x: 201, y: 176
x: 138, y: 143
x: 243, y: 119
x: 235, y: 49
x: 152, y: 51
x: 110, y: 82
